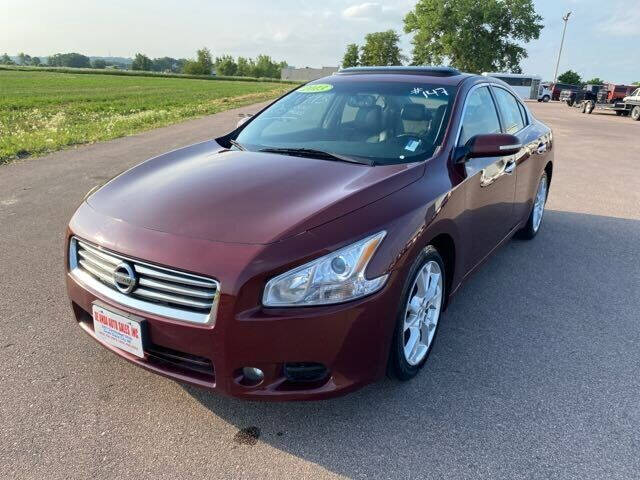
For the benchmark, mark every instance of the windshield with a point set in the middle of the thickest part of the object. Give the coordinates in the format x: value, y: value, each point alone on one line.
x: 383, y: 122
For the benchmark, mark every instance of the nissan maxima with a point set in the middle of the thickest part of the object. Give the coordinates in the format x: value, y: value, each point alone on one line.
x: 315, y: 248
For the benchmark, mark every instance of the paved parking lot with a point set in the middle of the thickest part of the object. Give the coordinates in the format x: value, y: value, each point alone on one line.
x: 534, y: 374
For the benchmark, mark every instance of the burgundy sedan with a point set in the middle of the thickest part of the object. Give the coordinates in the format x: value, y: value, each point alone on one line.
x: 313, y: 249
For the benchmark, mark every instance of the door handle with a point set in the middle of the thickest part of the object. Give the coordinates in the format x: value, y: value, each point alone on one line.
x: 510, y: 167
x: 542, y: 148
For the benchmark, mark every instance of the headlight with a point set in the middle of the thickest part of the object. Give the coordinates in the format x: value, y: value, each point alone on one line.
x: 334, y: 278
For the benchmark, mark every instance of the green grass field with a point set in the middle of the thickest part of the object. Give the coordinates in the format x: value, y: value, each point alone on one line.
x: 42, y: 112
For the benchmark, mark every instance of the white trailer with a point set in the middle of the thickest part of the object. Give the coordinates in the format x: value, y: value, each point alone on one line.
x: 526, y: 86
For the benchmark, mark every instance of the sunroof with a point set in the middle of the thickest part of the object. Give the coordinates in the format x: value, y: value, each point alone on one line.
x: 426, y: 71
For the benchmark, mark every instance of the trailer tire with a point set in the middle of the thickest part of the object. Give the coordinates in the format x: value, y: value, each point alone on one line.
x: 635, y: 113
x: 589, y: 107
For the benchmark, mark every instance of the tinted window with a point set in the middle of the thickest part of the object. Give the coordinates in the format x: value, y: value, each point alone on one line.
x: 388, y: 122
x: 480, y: 116
x: 510, y: 109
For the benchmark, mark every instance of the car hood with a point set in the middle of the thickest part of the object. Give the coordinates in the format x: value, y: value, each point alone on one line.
x: 204, y: 191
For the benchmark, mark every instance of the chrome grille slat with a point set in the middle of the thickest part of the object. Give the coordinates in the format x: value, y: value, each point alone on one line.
x: 163, y: 297
x: 151, y: 272
x: 90, y: 258
x: 159, y: 290
x: 98, y: 272
x: 166, y: 287
x: 98, y: 253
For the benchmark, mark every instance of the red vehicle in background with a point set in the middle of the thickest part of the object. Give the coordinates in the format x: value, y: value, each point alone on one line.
x: 616, y: 93
x: 557, y: 88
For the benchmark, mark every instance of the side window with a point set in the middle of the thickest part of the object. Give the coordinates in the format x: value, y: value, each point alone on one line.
x: 480, y: 116
x: 523, y: 112
x: 510, y: 109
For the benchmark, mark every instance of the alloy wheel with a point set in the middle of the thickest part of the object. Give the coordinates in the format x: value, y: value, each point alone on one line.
x: 422, y: 312
x: 539, y: 204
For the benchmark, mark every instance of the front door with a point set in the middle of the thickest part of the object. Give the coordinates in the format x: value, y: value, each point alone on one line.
x: 490, y: 182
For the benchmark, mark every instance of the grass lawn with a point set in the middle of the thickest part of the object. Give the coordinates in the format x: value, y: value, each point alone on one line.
x: 43, y: 111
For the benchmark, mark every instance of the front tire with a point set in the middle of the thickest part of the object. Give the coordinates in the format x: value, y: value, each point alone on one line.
x: 546, y: 98
x: 635, y: 113
x: 589, y: 107
x: 418, y: 315
x: 534, y: 221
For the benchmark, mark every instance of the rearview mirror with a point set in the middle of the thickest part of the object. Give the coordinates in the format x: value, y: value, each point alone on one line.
x: 492, y: 145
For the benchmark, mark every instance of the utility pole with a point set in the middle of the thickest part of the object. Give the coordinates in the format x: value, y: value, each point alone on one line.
x: 564, y: 30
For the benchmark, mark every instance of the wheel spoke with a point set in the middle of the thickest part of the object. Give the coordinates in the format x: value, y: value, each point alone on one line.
x: 432, y: 291
x: 412, y: 343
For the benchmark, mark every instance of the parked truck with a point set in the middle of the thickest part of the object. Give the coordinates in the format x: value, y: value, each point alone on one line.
x: 629, y: 106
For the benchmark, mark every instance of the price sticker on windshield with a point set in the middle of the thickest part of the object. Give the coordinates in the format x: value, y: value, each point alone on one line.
x: 316, y: 88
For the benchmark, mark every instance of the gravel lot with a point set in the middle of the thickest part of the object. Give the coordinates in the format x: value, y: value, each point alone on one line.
x: 534, y: 374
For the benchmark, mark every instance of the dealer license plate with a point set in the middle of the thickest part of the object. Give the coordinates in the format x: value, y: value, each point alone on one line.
x: 118, y: 331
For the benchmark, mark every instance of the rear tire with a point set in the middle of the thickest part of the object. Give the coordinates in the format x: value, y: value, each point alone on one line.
x: 546, y: 98
x: 619, y: 113
x: 423, y: 297
x: 584, y: 107
x: 534, y: 222
x: 635, y: 113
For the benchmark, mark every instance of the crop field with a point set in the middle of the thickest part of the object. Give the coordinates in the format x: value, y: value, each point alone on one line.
x: 42, y: 112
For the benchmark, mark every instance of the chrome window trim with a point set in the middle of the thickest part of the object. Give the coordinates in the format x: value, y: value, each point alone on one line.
x: 464, y: 108
x: 87, y: 281
x: 527, y: 120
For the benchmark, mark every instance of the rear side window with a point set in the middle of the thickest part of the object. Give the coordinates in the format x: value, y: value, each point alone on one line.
x: 480, y: 116
x: 511, y: 111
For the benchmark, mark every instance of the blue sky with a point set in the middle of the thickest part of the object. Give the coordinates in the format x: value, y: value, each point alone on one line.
x: 602, y: 37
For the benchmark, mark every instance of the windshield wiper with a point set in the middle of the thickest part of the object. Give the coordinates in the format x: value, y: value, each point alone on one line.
x: 310, y: 152
x: 236, y: 144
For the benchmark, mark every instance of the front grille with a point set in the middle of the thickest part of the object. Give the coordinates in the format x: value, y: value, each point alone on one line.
x: 145, y: 287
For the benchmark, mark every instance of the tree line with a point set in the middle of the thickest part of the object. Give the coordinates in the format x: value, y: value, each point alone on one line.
x: 471, y: 35
x: 203, y: 64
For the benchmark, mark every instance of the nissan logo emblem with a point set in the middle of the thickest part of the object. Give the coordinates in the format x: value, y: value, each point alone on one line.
x: 125, y: 278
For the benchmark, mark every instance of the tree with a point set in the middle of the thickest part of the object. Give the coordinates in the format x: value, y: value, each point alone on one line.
x: 99, y: 64
x: 6, y: 60
x: 73, y: 60
x: 266, y: 67
x: 226, y: 65
x: 245, y: 67
x: 351, y: 56
x: 24, y: 59
x: 141, y: 62
x: 381, y: 48
x: 636, y: 83
x: 35, y: 61
x: 595, y: 81
x: 167, y: 64
x: 205, y: 60
x: 472, y: 35
x: 570, y: 77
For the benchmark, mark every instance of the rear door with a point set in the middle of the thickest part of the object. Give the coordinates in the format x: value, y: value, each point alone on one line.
x: 489, y: 184
x: 529, y: 162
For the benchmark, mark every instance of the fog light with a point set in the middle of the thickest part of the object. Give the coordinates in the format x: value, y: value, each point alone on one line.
x: 252, y: 375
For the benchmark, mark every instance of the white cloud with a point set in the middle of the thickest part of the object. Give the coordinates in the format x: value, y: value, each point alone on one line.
x: 367, y: 11
x: 624, y: 23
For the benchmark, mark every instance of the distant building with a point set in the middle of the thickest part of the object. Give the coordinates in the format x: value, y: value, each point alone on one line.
x: 306, y: 74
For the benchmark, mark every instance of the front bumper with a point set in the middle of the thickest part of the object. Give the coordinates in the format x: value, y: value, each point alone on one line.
x: 343, y: 338
x: 351, y: 340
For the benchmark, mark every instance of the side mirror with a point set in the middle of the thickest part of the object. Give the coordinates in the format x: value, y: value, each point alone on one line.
x: 243, y: 119
x: 491, y: 145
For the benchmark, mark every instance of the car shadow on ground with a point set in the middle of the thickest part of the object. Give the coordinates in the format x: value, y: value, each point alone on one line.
x: 520, y: 381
